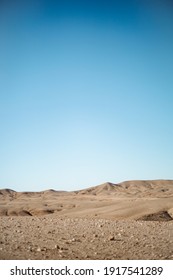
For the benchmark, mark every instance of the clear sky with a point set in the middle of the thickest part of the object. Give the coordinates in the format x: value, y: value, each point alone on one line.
x: 86, y: 92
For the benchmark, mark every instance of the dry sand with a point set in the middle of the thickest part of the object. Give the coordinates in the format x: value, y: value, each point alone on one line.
x: 130, y: 220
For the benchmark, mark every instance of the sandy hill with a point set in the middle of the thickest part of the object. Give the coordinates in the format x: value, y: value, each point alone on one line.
x: 137, y: 188
x: 103, y: 189
x: 148, y: 200
x: 7, y: 192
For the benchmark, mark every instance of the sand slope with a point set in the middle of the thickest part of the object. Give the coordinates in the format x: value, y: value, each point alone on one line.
x: 126, y: 200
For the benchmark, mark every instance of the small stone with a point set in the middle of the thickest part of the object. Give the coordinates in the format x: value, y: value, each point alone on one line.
x: 38, y: 249
x: 44, y: 249
x: 111, y: 238
x: 57, y: 247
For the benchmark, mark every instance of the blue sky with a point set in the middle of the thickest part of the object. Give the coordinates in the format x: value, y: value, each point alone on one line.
x: 86, y: 93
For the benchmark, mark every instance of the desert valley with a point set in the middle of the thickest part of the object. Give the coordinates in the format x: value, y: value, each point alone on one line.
x: 129, y: 220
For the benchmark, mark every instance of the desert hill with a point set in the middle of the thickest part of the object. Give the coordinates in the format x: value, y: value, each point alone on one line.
x: 137, y: 188
x: 126, y: 200
x: 6, y: 192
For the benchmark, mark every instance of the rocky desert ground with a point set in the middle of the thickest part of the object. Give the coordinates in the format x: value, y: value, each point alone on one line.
x: 129, y: 220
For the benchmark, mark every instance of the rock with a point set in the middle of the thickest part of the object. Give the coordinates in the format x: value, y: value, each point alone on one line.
x: 111, y: 238
x: 44, y: 249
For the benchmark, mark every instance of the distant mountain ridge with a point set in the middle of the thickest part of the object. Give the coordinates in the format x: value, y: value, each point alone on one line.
x: 133, y: 187
x: 138, y: 199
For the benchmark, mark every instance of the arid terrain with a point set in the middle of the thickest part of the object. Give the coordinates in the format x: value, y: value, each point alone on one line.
x: 129, y: 220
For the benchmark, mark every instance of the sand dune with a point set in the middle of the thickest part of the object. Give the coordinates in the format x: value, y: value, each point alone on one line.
x: 129, y: 220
